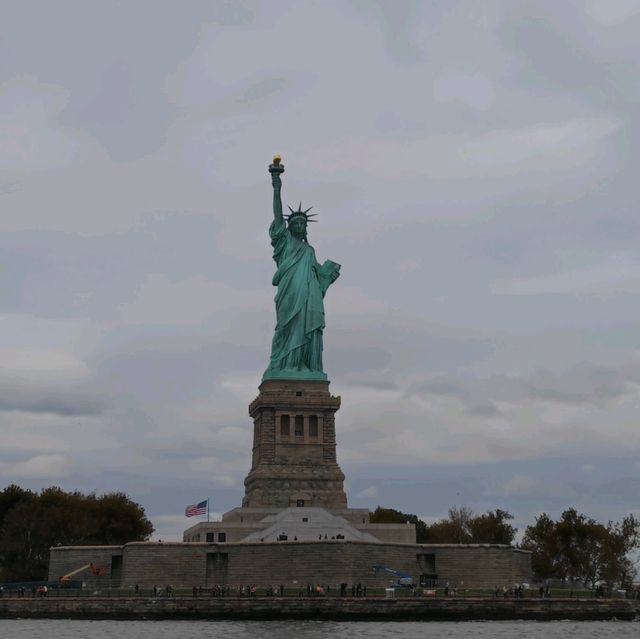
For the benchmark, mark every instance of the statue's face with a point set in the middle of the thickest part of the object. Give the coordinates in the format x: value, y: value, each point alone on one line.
x: 298, y: 227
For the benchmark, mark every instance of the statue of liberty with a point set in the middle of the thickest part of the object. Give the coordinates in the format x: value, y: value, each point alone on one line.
x: 296, y: 350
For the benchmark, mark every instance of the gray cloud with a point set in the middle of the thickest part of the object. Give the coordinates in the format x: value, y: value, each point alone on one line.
x: 47, y: 381
x: 39, y: 400
x: 115, y: 79
x: 484, y: 409
x: 583, y: 384
x: 8, y: 187
x: 562, y: 49
x: 262, y: 89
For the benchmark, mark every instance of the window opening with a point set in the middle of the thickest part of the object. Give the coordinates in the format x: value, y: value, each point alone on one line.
x: 427, y: 562
x: 284, y: 425
x: 313, y: 426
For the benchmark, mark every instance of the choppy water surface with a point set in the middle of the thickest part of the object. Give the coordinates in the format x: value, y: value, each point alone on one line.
x: 46, y: 629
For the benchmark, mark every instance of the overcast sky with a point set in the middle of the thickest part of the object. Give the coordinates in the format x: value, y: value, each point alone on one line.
x: 475, y: 170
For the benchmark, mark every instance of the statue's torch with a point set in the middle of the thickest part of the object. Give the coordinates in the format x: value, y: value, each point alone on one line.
x: 276, y: 168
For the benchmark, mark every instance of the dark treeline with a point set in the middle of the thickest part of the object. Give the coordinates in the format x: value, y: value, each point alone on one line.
x: 32, y: 522
x: 578, y: 547
x: 462, y: 526
x: 575, y: 547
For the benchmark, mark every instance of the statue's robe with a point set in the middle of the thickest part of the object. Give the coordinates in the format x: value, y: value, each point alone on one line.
x: 297, y: 342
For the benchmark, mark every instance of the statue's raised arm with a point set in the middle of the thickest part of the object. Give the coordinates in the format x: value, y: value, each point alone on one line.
x: 276, y: 169
x: 296, y: 351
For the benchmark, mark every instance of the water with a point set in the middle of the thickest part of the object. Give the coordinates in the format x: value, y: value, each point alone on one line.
x: 59, y: 629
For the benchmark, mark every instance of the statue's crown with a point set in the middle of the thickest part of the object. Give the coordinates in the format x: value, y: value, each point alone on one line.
x: 300, y: 213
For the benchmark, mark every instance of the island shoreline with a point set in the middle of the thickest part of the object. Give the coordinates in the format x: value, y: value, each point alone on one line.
x: 337, y: 609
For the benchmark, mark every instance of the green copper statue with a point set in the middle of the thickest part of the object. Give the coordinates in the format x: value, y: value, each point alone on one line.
x: 296, y: 351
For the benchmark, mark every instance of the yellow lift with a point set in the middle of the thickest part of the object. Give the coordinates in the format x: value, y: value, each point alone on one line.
x: 98, y: 571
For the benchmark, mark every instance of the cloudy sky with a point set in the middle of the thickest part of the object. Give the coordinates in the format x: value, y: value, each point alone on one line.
x: 474, y: 167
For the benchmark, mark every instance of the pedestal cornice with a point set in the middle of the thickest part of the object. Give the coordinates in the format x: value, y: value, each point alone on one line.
x: 280, y: 394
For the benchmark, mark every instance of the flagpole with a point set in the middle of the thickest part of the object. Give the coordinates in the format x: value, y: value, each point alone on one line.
x: 208, y: 501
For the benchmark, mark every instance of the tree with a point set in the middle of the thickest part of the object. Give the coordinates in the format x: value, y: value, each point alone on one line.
x: 462, y: 526
x: 578, y: 547
x: 24, y: 544
x: 119, y: 520
x: 493, y: 528
x: 455, y: 529
x: 55, y: 517
x: 10, y: 497
x: 624, y: 539
x: 541, y: 540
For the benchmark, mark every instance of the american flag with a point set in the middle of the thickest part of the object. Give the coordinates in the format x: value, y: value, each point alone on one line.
x: 196, y: 509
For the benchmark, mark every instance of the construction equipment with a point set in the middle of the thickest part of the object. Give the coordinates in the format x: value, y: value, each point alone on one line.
x: 98, y: 571
x: 404, y: 579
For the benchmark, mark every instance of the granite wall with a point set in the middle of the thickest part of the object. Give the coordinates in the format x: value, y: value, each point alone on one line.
x: 291, y: 563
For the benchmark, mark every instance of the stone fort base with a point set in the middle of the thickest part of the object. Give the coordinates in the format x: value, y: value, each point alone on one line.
x: 293, y: 564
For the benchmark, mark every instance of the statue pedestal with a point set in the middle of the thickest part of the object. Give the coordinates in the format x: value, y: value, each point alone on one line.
x: 294, y: 447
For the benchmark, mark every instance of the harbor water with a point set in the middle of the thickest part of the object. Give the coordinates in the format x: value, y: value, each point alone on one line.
x: 73, y: 629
